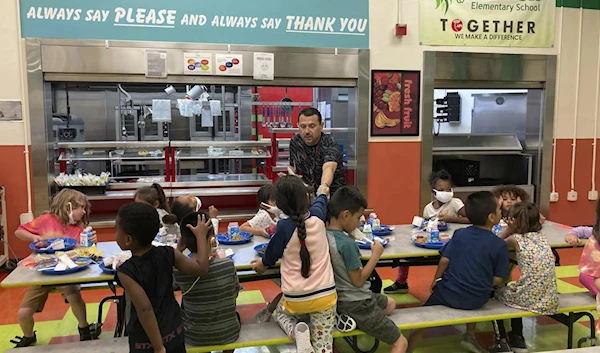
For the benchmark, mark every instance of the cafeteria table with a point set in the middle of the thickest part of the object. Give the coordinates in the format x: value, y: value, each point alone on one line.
x: 399, y: 247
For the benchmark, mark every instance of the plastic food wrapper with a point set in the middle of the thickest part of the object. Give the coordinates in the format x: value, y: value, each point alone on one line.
x: 161, y: 110
x: 116, y: 260
x: 189, y: 108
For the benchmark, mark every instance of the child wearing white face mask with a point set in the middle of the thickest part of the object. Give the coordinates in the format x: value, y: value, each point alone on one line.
x: 445, y: 207
x: 67, y: 217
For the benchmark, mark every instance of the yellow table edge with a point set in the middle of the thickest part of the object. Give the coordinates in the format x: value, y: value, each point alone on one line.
x: 99, y: 279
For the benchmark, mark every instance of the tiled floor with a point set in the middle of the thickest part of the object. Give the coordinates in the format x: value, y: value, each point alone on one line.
x: 57, y: 323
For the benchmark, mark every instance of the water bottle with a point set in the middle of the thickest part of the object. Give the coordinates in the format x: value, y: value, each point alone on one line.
x: 367, y: 231
x: 497, y: 230
x: 434, y: 233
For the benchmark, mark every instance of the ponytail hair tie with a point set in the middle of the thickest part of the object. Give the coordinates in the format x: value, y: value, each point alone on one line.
x: 303, y: 242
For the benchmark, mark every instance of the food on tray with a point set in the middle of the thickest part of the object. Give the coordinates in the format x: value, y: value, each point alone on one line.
x: 91, y: 252
x: 58, y: 244
x: 41, y: 245
x: 119, y: 152
x: 444, y: 237
x: 88, y: 153
x: 236, y: 237
x: 44, y: 261
x: 143, y: 153
x: 421, y: 240
x: 81, y: 261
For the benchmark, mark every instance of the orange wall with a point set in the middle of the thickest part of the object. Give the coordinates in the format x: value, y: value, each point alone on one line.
x: 12, y: 177
x: 582, y: 211
x: 395, y: 180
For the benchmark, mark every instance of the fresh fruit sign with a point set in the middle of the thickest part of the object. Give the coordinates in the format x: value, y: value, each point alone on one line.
x: 499, y: 23
x: 395, y: 99
x: 308, y: 23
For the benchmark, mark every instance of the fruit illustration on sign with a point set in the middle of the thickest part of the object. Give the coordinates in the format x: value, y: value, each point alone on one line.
x: 222, y: 68
x: 228, y: 64
x: 386, y: 100
x: 191, y: 61
x: 204, y: 62
x: 235, y: 61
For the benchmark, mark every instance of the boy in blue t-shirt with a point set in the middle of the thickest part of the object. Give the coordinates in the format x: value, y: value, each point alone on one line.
x: 355, y: 300
x: 472, y: 263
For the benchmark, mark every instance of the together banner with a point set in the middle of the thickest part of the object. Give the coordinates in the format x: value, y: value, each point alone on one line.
x: 498, y: 23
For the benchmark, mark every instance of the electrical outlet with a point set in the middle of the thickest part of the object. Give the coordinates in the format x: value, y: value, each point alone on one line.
x: 553, y: 197
x: 26, y: 218
x: 572, y: 195
x: 593, y: 195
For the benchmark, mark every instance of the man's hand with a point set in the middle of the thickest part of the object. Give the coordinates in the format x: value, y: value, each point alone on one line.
x: 258, y: 267
x: 323, y: 190
x: 376, y: 249
x: 572, y: 239
x: 202, y: 229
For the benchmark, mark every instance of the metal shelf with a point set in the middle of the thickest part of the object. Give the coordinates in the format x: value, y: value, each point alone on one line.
x: 201, y: 192
x: 284, y: 104
x: 206, y: 144
x: 206, y: 156
x: 470, y: 144
x: 113, y: 144
x: 200, y: 181
x: 295, y: 130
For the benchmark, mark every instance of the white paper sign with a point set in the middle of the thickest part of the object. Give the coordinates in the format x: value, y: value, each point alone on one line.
x: 264, y: 66
x: 229, y: 64
x: 197, y: 64
x: 207, y: 118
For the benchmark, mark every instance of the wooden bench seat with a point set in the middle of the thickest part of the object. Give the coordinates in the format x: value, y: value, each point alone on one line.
x: 268, y: 334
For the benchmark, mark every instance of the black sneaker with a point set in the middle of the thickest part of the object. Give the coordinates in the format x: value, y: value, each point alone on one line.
x: 89, y: 333
x: 22, y: 342
x: 396, y: 288
x: 518, y: 343
x: 500, y: 347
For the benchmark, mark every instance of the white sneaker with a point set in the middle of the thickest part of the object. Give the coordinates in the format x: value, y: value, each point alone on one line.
x: 344, y: 323
x: 302, y: 336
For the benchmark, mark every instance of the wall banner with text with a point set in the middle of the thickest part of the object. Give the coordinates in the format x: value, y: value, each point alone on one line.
x: 308, y: 23
x: 498, y: 23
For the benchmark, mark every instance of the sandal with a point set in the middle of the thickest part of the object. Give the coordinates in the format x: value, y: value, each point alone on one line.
x: 22, y: 342
x: 91, y: 332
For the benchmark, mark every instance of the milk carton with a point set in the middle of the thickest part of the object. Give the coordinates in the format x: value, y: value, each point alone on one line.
x: 84, y: 237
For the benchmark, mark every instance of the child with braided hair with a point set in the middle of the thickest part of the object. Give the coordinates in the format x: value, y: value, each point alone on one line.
x: 307, y: 282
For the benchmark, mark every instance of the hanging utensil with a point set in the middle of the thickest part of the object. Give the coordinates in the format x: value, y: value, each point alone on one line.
x: 288, y: 108
x: 282, y: 122
x: 264, y: 117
